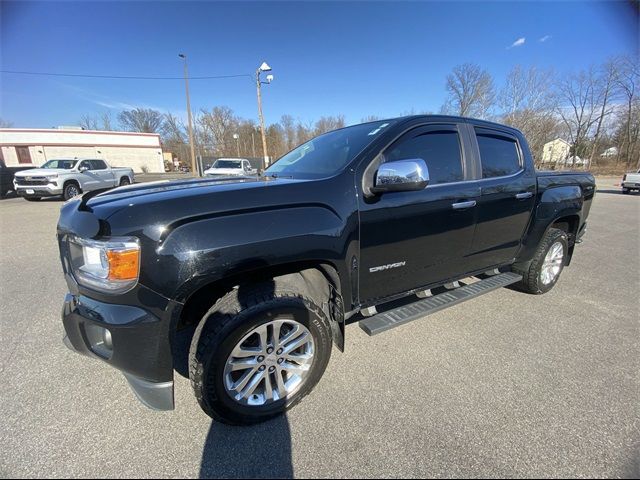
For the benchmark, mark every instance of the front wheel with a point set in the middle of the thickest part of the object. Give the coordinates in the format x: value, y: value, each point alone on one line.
x: 258, y: 353
x: 542, y: 273
x: 625, y: 191
x: 70, y: 190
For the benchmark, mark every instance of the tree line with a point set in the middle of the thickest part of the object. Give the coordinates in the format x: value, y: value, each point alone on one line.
x: 593, y: 109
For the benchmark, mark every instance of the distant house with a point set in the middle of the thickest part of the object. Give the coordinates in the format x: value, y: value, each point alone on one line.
x: 610, y: 152
x: 556, y: 151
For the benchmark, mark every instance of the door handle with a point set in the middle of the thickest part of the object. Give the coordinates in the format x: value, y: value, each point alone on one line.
x: 463, y: 205
x: 523, y: 195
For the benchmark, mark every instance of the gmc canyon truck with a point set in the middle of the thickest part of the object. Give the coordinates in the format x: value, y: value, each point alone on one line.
x: 69, y: 178
x: 381, y: 223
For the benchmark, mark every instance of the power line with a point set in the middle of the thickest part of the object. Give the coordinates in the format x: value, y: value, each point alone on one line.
x: 122, y: 77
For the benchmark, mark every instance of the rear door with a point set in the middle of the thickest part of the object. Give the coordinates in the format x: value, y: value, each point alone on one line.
x: 507, y: 197
x: 104, y: 173
x: 413, y: 239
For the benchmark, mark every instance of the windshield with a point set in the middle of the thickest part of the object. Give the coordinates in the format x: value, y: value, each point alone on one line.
x: 327, y: 154
x: 227, y: 164
x: 64, y: 164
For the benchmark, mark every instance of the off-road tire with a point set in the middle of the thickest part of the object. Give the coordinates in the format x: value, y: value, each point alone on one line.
x: 229, y: 320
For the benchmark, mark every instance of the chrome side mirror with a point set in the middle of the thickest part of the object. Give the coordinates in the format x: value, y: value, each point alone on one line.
x: 83, y: 169
x: 401, y: 176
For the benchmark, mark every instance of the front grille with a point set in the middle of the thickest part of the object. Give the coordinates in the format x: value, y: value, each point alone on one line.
x: 28, y: 181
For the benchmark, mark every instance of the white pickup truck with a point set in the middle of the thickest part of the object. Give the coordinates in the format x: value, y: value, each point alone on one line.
x: 225, y: 167
x: 69, y: 177
x: 631, y: 181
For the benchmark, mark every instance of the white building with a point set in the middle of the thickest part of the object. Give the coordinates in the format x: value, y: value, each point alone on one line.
x: 20, y: 146
x: 556, y: 151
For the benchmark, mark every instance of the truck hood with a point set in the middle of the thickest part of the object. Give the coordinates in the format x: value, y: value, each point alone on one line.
x: 41, y: 172
x: 164, y: 193
x: 224, y: 171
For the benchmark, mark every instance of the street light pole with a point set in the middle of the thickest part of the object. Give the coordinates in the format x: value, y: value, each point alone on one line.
x: 237, y: 137
x: 194, y: 170
x: 262, y: 68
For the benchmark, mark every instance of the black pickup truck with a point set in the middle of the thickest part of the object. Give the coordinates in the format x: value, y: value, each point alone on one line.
x: 381, y: 223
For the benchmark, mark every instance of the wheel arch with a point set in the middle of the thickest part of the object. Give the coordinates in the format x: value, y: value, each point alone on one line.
x: 321, y: 282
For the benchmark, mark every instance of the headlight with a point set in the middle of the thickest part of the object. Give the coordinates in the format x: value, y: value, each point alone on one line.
x: 52, y: 178
x: 111, y: 265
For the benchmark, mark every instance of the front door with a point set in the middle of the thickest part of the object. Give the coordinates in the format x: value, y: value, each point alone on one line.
x: 90, y: 180
x: 414, y: 239
x: 24, y: 156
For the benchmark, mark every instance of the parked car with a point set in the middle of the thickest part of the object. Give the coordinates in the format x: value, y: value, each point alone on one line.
x: 631, y: 182
x: 224, y: 167
x: 6, y: 177
x: 69, y: 177
x: 376, y: 223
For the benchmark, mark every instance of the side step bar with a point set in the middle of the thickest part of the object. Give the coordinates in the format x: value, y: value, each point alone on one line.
x: 399, y: 316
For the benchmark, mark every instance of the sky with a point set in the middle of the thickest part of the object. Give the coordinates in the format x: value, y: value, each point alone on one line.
x: 328, y: 58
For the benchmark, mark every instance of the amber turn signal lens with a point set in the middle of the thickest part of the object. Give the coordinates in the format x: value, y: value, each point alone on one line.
x: 123, y: 265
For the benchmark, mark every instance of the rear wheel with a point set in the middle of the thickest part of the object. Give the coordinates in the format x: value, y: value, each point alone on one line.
x: 258, y: 353
x: 125, y: 181
x: 542, y: 273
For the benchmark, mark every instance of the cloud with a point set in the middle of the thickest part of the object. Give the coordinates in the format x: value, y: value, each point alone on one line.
x: 518, y: 43
x: 545, y: 38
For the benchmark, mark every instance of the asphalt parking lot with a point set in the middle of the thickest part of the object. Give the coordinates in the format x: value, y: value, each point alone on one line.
x: 507, y: 385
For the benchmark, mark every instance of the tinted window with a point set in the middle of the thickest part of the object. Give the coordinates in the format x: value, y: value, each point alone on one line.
x: 98, y: 165
x: 85, y: 164
x: 499, y: 155
x: 439, y: 149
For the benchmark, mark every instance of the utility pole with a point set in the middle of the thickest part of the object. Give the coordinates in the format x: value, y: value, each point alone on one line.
x: 263, y: 68
x: 194, y: 170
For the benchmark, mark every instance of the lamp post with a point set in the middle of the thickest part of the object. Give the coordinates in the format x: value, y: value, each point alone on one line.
x: 194, y: 170
x: 263, y: 68
x: 237, y: 137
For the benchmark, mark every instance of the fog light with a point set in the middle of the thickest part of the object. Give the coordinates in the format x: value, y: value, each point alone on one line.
x: 106, y: 338
x: 100, y: 340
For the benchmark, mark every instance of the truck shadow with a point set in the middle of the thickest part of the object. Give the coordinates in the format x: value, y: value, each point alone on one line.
x: 259, y: 451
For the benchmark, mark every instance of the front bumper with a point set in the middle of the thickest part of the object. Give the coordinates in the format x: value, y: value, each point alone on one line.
x: 136, y: 344
x: 631, y: 185
x: 38, y: 190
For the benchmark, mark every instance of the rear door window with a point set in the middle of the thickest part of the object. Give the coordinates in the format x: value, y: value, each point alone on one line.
x: 98, y: 165
x: 499, y: 154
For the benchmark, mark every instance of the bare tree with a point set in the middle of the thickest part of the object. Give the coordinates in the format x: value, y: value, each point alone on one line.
x: 289, y: 131
x: 106, y: 120
x: 143, y: 120
x: 578, y: 108
x: 527, y: 101
x: 369, y: 118
x: 470, y: 91
x: 218, y: 127
x: 89, y: 122
x: 628, y: 81
x: 606, y: 87
x: 326, y: 124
